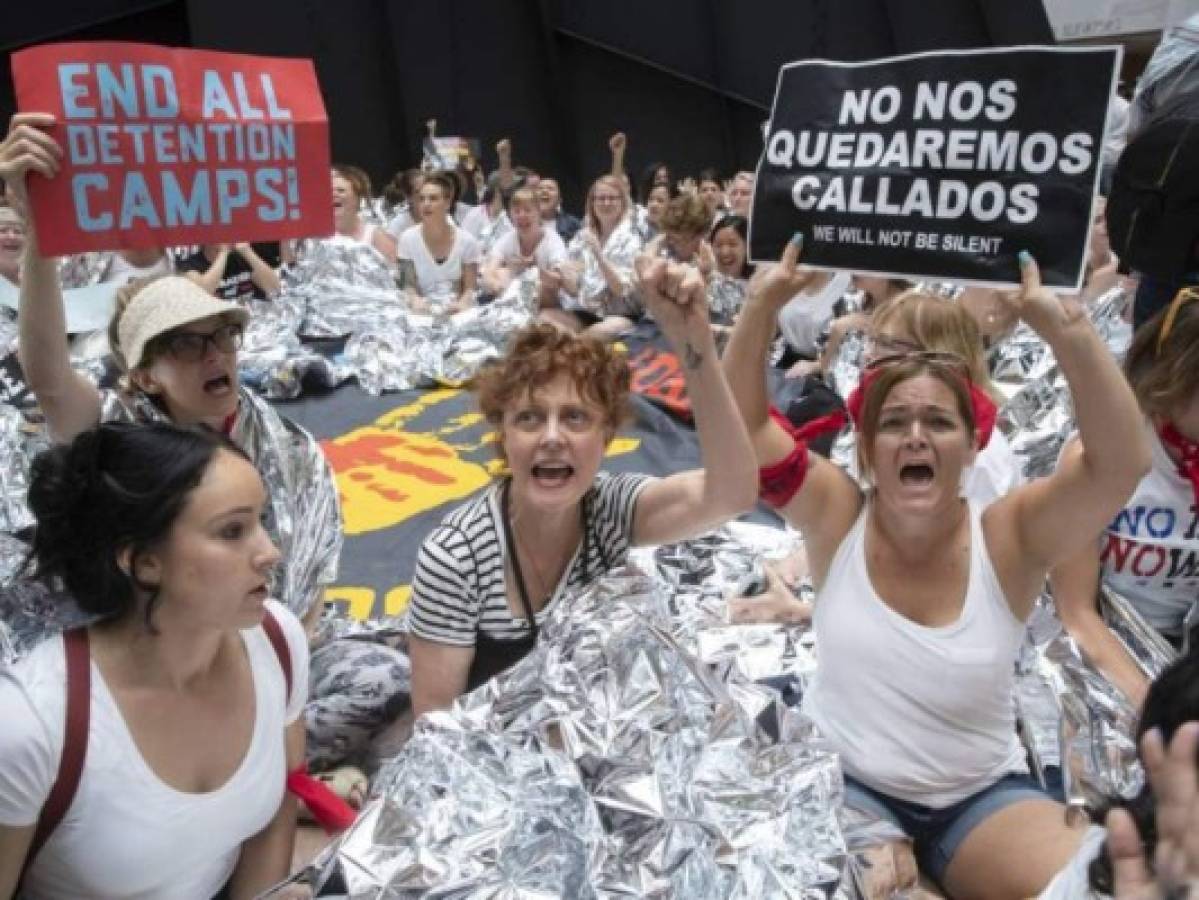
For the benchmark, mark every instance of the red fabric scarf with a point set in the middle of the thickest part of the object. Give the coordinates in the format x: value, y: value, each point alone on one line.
x: 1188, y: 466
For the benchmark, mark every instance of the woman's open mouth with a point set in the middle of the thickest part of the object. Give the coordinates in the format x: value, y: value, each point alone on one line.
x: 219, y: 386
x: 916, y: 475
x: 552, y: 474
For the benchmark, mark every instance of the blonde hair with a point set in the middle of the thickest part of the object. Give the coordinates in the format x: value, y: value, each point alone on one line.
x: 613, y: 182
x: 935, y: 323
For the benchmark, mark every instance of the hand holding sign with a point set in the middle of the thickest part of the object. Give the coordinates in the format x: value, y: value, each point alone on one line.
x: 27, y: 148
x: 1046, y: 313
x: 162, y: 146
x: 774, y: 286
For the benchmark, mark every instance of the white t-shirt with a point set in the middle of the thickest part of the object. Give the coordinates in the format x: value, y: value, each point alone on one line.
x: 807, y: 315
x: 439, y: 280
x: 549, y: 252
x: 1150, y: 552
x: 120, y: 271
x: 127, y: 833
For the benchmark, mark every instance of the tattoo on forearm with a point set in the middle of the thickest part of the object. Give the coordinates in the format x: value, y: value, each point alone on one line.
x: 692, y: 358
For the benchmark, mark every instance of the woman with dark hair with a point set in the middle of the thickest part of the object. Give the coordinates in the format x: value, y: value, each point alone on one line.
x: 729, y: 281
x: 922, y: 593
x: 177, y: 346
x: 439, y: 262
x: 487, y: 575
x: 193, y: 720
x: 1148, y: 553
x: 711, y: 191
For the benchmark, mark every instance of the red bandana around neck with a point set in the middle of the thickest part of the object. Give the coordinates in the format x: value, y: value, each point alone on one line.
x: 1188, y: 466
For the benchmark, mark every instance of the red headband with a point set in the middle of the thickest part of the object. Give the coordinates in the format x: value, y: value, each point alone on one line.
x: 985, y: 413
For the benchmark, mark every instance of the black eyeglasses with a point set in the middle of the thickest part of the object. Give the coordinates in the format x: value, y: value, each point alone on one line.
x: 190, y: 346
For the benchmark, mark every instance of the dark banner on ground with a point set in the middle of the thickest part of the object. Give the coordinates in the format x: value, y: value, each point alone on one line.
x: 941, y: 165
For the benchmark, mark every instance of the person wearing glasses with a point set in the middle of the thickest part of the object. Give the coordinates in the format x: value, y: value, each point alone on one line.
x: 1149, y: 552
x: 599, y: 284
x: 922, y: 593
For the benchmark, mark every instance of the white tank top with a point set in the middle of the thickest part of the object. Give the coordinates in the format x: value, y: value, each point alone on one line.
x: 1150, y: 553
x: 921, y: 714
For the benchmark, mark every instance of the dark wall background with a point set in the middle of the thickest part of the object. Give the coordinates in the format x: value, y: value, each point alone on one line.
x: 689, y: 81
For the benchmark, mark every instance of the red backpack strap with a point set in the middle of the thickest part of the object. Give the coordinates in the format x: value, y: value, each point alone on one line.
x: 74, y: 744
x: 274, y: 631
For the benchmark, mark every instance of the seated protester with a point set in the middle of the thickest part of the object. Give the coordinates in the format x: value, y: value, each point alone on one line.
x: 804, y: 320
x: 876, y: 291
x: 1149, y: 552
x: 741, y: 194
x: 684, y: 229
x: 532, y: 244
x: 922, y: 594
x: 192, y: 680
x: 123, y: 266
x: 1171, y: 702
x: 649, y: 217
x: 600, y: 293
x: 549, y: 199
x: 711, y: 191
x: 177, y: 346
x: 401, y: 193
x: 487, y: 575
x: 439, y: 262
x: 241, y: 272
x: 350, y: 188
x: 916, y: 322
x: 488, y: 222
x: 12, y: 243
x: 730, y: 280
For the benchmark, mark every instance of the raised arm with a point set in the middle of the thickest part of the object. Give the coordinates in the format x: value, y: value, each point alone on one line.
x: 1048, y: 521
x: 617, y: 144
x: 503, y: 152
x: 689, y: 503
x: 265, y: 278
x: 827, y: 501
x: 69, y: 401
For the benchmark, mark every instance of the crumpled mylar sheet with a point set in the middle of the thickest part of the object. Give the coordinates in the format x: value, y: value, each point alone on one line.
x: 1038, y: 417
x: 1095, y: 741
x: 343, y: 289
x: 610, y: 762
x: 726, y: 296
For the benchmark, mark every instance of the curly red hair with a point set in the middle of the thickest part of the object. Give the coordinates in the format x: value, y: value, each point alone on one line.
x: 540, y: 353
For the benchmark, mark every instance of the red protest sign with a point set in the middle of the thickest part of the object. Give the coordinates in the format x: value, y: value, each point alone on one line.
x: 163, y: 146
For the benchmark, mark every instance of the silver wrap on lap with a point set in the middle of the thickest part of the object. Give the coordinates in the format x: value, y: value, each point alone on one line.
x: 595, y: 296
x: 613, y: 761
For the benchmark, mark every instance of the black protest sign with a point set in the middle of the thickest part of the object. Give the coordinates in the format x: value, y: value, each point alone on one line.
x: 942, y: 165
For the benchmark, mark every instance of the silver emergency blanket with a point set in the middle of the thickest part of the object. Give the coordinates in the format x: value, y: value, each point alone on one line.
x: 337, y: 285
x: 341, y: 288
x: 18, y: 444
x: 614, y: 760
x: 304, y: 514
x: 620, y: 250
x: 1038, y: 416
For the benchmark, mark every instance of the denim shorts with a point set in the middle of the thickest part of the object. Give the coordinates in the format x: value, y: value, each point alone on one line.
x: 937, y: 833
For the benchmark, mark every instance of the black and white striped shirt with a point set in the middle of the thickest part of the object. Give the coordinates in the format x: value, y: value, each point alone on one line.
x: 459, y: 587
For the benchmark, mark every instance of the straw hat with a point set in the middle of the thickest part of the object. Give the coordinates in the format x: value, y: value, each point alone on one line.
x: 164, y: 305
